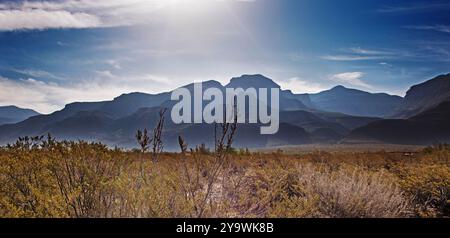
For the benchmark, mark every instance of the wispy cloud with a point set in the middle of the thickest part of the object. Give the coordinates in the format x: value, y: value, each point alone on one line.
x: 34, y: 73
x: 350, y: 57
x: 350, y: 78
x: 362, y: 51
x: 41, y: 19
x: 440, y: 28
x: 415, y: 7
x: 359, y: 54
x: 439, y: 53
x: 385, y: 64
x: 299, y: 85
x: 431, y: 50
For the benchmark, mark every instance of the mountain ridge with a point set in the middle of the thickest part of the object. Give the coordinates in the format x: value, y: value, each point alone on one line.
x: 302, y: 119
x: 12, y: 114
x: 355, y: 102
x: 424, y: 96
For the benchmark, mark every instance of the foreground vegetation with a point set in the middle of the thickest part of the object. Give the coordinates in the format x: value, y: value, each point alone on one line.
x: 41, y: 177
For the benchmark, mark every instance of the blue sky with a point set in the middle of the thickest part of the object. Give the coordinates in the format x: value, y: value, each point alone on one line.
x: 57, y: 52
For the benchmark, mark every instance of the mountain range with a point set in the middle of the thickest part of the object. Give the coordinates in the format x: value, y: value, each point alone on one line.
x: 338, y: 115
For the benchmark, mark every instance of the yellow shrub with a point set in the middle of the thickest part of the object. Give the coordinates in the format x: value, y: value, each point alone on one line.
x: 46, y: 178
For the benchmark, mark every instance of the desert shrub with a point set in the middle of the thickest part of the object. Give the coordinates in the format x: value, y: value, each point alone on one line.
x: 147, y: 191
x: 84, y: 174
x: 290, y: 197
x: 28, y: 188
x: 58, y: 179
x: 355, y: 193
x: 429, y: 185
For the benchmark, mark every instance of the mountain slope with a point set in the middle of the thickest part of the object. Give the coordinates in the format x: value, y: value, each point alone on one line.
x: 355, y: 102
x: 84, y: 125
x: 311, y: 122
x: 426, y: 128
x: 424, y: 96
x: 347, y: 121
x: 13, y: 114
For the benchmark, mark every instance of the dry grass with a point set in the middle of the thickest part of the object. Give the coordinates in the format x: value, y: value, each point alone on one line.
x: 45, y: 178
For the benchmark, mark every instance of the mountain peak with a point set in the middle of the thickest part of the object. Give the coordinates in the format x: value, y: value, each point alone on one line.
x: 205, y: 85
x: 355, y: 102
x: 14, y: 114
x: 255, y: 80
x: 339, y: 87
x: 13, y: 109
x: 212, y: 84
x: 133, y: 94
x: 424, y: 96
x: 10, y: 107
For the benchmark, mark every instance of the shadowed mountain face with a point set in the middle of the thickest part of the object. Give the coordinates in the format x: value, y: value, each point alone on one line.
x: 13, y: 114
x: 426, y: 109
x: 355, y: 102
x: 428, y: 127
x: 424, y: 96
x: 121, y: 106
x: 316, y: 118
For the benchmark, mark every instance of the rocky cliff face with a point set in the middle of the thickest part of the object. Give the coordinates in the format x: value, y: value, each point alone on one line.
x: 424, y: 96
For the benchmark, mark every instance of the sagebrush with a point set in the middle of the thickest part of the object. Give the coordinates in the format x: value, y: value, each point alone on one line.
x: 42, y: 177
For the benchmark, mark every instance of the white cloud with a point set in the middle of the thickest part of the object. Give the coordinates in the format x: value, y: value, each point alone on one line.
x: 350, y: 57
x: 385, y: 64
x: 86, y: 13
x: 351, y: 78
x: 74, y: 13
x: 415, y: 7
x: 46, y: 97
x: 38, y: 74
x: 440, y: 28
x: 362, y: 51
x: 359, y: 54
x: 298, y: 85
x: 41, y: 19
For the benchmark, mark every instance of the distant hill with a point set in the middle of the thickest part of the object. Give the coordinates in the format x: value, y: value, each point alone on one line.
x: 422, y: 118
x: 123, y: 105
x: 355, y: 102
x: 428, y: 127
x: 13, y: 114
x: 424, y: 96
